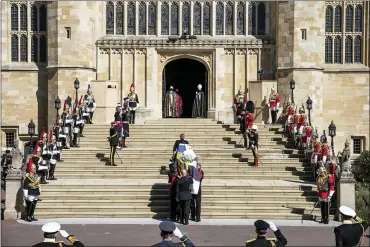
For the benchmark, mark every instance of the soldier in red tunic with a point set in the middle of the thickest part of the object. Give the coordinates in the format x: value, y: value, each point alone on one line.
x: 306, y: 136
x: 332, y: 166
x: 289, y: 116
x: 324, y: 148
x: 316, y: 145
x: 274, y: 103
x: 325, y: 186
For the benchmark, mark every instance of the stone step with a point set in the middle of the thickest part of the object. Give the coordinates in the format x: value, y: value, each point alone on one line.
x: 191, y: 138
x: 205, y: 163
x: 195, y: 145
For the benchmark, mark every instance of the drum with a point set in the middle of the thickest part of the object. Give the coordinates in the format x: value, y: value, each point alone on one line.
x: 76, y: 130
x: 132, y: 104
x: 65, y: 131
x: 68, y: 121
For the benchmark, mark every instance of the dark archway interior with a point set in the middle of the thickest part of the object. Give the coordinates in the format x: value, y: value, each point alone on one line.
x: 185, y: 75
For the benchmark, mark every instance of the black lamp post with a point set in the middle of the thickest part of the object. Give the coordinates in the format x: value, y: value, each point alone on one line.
x: 57, y: 106
x: 332, y: 133
x: 76, y: 86
x: 292, y: 87
x: 309, y: 108
x: 259, y: 74
x: 31, y: 132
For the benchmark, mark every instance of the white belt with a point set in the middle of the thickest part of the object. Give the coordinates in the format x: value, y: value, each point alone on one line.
x: 69, y: 121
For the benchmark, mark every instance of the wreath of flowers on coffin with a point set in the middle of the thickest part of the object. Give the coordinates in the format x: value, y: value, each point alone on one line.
x: 188, y: 155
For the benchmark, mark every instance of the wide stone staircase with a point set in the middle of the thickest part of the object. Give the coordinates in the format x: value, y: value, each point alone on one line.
x: 279, y: 188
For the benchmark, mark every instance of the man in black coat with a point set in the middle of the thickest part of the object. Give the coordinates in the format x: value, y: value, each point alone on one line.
x: 184, y: 196
x: 195, y: 205
x: 262, y: 241
x: 178, y: 142
x: 113, y: 140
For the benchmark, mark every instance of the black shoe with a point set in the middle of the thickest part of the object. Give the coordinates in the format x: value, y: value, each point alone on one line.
x: 53, y: 178
x: 33, y: 219
x: 82, y: 136
x: 28, y: 219
x: 197, y: 220
x: 326, y: 222
x: 44, y: 182
x: 114, y: 165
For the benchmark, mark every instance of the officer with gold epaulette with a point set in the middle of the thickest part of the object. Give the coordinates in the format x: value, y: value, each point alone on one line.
x: 51, y: 230
x: 168, y: 230
x: 261, y: 240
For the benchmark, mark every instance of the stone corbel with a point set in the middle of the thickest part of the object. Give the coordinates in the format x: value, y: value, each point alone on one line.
x: 116, y: 51
x: 128, y: 51
x: 141, y: 51
x: 163, y: 58
x: 241, y: 52
x: 104, y: 51
x: 252, y: 51
x: 229, y: 51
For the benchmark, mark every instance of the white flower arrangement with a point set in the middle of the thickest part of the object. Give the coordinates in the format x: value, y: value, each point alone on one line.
x: 189, y: 155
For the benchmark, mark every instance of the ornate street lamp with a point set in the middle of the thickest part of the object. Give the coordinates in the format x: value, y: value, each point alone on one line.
x: 309, y: 108
x: 57, y: 107
x: 292, y: 87
x: 259, y: 74
x: 332, y: 133
x: 76, y: 86
x: 31, y: 132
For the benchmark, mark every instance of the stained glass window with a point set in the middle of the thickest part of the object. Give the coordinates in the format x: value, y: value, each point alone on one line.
x: 251, y: 19
x: 119, y: 18
x: 337, y: 50
x: 229, y: 12
x: 33, y: 18
x: 23, y: 48
x: 220, y: 18
x: 186, y: 17
x: 34, y: 48
x: 358, y: 19
x: 348, y: 51
x: 349, y: 19
x: 328, y: 50
x: 131, y: 19
x: 207, y: 19
x: 197, y: 19
x: 14, y: 17
x: 43, y: 18
x: 152, y: 19
x: 240, y: 19
x: 174, y: 19
x: 110, y: 18
x: 15, y: 50
x: 23, y: 15
x: 165, y: 18
x: 261, y: 18
x: 142, y: 18
x: 338, y: 19
x: 358, y: 50
x: 43, y: 46
x: 329, y: 19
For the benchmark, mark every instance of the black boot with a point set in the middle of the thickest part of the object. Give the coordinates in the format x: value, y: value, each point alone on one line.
x: 326, y: 207
x: 33, y: 206
x: 81, y: 130
x: 133, y: 117
x: 322, y: 207
x: 51, y: 172
x: 91, y: 117
x: 26, y: 213
x: 43, y: 178
x: 29, y: 212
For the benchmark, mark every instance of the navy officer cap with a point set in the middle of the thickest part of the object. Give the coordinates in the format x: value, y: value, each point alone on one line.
x: 167, y: 226
x: 261, y: 224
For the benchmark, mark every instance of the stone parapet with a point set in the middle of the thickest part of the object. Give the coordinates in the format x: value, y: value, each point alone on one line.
x: 14, y: 194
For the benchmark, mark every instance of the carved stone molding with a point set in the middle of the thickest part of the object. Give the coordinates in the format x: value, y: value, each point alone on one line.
x: 164, y: 58
x: 104, y: 51
x: 229, y: 51
x: 141, y: 51
x: 128, y: 51
x: 252, y: 51
x: 204, y: 57
x: 116, y: 51
x: 241, y: 52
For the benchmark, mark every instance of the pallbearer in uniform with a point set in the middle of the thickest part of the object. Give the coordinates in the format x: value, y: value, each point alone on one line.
x: 262, y: 241
x: 184, y: 196
x: 253, y: 143
x: 31, y: 191
x: 90, y: 104
x: 325, y: 186
x: 168, y: 230
x: 274, y: 103
x: 239, y: 101
x: 133, y: 103
x: 125, y: 122
x: 113, y: 139
x: 170, y: 107
x: 199, y: 104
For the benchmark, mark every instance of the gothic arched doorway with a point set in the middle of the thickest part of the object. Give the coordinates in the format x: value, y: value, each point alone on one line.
x: 185, y: 75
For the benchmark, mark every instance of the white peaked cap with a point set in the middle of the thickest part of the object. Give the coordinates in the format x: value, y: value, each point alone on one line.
x: 51, y: 227
x: 347, y: 211
x: 254, y: 127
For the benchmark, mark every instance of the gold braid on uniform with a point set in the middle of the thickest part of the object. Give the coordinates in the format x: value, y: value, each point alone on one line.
x: 320, y: 180
x: 34, y: 181
x: 72, y: 239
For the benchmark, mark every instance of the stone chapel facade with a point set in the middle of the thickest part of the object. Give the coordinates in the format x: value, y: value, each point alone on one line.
x: 323, y: 46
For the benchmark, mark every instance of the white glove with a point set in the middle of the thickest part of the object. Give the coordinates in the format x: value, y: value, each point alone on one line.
x: 272, y: 226
x: 25, y: 194
x: 329, y: 198
x: 177, y: 233
x: 277, y: 105
x: 64, y: 233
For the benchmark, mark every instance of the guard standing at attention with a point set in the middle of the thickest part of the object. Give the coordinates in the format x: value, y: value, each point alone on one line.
x: 51, y: 230
x: 349, y: 233
x: 168, y: 230
x: 113, y: 139
x: 262, y: 241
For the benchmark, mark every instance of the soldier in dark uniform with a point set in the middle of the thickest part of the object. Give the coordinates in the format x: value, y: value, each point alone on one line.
x: 113, y: 139
x: 51, y: 230
x: 349, y: 233
x: 261, y: 240
x: 172, y: 180
x: 184, y: 196
x: 125, y: 122
x: 168, y: 230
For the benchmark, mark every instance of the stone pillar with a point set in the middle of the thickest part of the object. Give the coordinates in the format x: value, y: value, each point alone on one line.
x: 107, y: 95
x: 13, y: 195
x: 346, y: 193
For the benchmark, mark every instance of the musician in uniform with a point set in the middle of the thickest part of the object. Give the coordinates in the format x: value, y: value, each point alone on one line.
x: 238, y: 104
x: 253, y: 143
x: 350, y: 233
x: 133, y: 103
x: 90, y: 104
x: 316, y: 145
x: 44, y: 161
x: 183, y: 193
x: 125, y: 122
x: 325, y: 186
x: 168, y: 230
x: 55, y: 154
x: 51, y: 230
x: 81, y: 120
x: 66, y: 123
x: 289, y: 114
x: 113, y: 140
x: 262, y: 241
x: 31, y: 190
x: 274, y: 103
x: 324, y: 147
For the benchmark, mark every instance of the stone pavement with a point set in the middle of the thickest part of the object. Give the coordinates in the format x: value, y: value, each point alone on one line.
x: 144, y: 233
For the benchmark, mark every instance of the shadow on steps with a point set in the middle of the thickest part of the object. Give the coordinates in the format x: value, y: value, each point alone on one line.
x: 161, y: 209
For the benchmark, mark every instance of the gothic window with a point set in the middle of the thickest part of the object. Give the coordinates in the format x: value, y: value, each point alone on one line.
x: 119, y: 18
x: 142, y: 18
x: 207, y: 19
x: 186, y: 17
x: 220, y: 18
x: 23, y: 15
x: 14, y: 17
x: 34, y: 18
x: 164, y: 19
x: 229, y: 19
x: 329, y: 19
x: 251, y: 18
x: 131, y: 19
x: 349, y: 19
x: 338, y: 50
x: 43, y: 46
x: 338, y: 19
x: 328, y: 50
x: 110, y: 18
x: 43, y: 18
x: 240, y: 19
x: 34, y: 48
x: 358, y: 50
x: 174, y: 19
x: 15, y: 50
x: 358, y: 19
x: 23, y: 49
x: 348, y: 50
x: 196, y: 18
x: 261, y: 18
x: 152, y: 19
